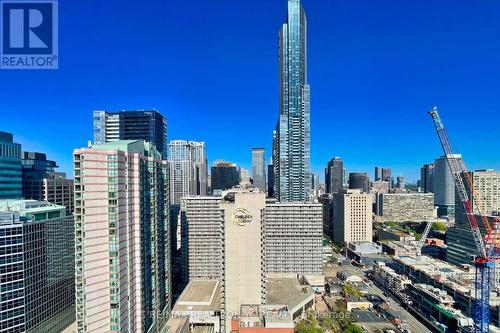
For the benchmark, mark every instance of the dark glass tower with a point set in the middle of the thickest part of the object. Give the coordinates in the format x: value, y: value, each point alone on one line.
x: 358, y: 180
x: 291, y: 153
x: 149, y: 126
x: 334, y: 175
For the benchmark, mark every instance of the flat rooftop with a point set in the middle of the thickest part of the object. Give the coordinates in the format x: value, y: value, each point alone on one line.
x: 200, y: 295
x: 177, y: 323
x: 287, y: 291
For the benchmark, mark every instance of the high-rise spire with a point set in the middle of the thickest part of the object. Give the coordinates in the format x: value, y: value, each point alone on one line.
x: 291, y: 147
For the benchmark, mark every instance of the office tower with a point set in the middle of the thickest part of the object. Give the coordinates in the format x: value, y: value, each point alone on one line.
x: 460, y: 241
x: 123, y: 277
x: 37, y: 282
x: 199, y: 157
x: 292, y: 239
x: 378, y: 174
x: 259, y: 168
x: 400, y: 183
x: 270, y: 181
x: 334, y: 175
x: 147, y: 125
x: 242, y: 274
x: 188, y: 169
x: 11, y: 184
x: 41, y: 182
x: 427, y: 178
x: 352, y: 217
x: 202, y: 253
x: 291, y: 141
x: 444, y: 186
x: 386, y: 174
x: 358, y: 180
x: 225, y: 175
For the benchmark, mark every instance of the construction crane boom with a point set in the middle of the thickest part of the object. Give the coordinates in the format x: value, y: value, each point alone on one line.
x: 422, y: 240
x: 486, y: 247
x: 457, y: 170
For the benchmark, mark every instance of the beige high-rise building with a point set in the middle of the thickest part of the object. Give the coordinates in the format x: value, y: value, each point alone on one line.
x: 122, y: 248
x: 240, y: 239
x: 353, y: 217
x: 487, y: 190
x: 242, y: 279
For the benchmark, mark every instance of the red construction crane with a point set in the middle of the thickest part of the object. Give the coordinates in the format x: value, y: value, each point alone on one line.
x: 487, y: 245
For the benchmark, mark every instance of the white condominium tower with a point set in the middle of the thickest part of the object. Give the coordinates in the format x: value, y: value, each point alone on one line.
x: 188, y: 165
x: 122, y: 264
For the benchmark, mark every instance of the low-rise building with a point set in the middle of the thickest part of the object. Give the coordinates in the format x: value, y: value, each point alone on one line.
x: 296, y: 296
x: 405, y: 207
x: 263, y: 319
x: 436, y: 305
x: 365, y: 253
x: 390, y: 280
x: 394, y: 234
x: 201, y: 302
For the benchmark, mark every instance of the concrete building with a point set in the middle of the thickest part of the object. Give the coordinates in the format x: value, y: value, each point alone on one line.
x: 148, y: 125
x: 291, y: 139
x: 334, y: 175
x: 225, y: 175
x: 390, y: 280
x: 444, y: 186
x: 437, y: 305
x: 257, y: 318
x: 393, y: 234
x: 405, y: 207
x: 202, y: 248
x: 11, y: 184
x: 41, y: 182
x: 360, y: 181
x: 292, y: 239
x: 259, y: 168
x: 200, y: 301
x: 456, y: 281
x: 386, y: 174
x: 123, y: 277
x: 296, y: 296
x: 242, y: 250
x: 380, y: 186
x: 37, y: 276
x: 352, y: 217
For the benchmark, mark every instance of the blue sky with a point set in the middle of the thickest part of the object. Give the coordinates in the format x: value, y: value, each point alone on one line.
x: 375, y: 69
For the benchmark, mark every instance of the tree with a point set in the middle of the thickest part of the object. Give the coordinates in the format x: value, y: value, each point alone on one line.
x: 439, y: 226
x: 351, y: 290
x: 351, y: 328
x: 303, y: 327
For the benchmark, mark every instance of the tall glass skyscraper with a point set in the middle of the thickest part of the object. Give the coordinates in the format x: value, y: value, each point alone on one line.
x: 259, y: 168
x: 291, y: 146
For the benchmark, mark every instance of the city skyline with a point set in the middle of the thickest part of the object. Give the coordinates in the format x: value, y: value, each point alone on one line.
x: 394, y: 108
